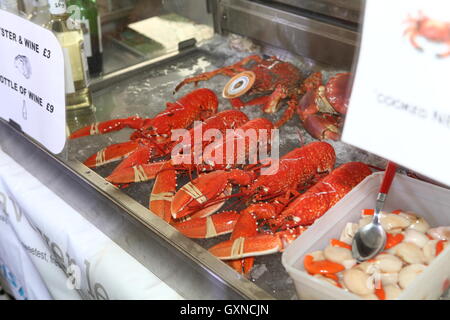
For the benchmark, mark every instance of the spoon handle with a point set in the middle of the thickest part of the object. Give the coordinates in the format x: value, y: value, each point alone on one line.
x: 388, y: 177
x: 389, y: 174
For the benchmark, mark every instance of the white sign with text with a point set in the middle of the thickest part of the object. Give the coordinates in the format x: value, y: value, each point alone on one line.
x: 32, y: 80
x: 400, y: 107
x: 48, y: 250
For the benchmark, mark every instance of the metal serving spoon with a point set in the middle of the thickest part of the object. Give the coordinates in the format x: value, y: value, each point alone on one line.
x: 371, y: 239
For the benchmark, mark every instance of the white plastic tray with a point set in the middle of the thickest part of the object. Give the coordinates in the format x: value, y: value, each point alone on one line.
x: 427, y: 200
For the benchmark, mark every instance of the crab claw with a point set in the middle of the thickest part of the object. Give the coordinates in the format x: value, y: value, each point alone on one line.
x: 337, y: 92
x: 196, y: 194
x: 323, y: 126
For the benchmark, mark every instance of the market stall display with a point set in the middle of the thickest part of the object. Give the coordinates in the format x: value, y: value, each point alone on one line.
x: 159, y: 84
x: 226, y: 151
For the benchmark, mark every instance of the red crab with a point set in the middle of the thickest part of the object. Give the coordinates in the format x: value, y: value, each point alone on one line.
x: 322, y: 106
x: 430, y: 29
x: 276, y: 79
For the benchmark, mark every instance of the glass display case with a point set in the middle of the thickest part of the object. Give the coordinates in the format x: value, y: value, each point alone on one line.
x: 148, y: 48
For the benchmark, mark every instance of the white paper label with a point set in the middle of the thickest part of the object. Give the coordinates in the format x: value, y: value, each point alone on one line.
x: 86, y: 36
x: 100, y: 36
x: 69, y: 84
x: 399, y: 107
x: 32, y: 80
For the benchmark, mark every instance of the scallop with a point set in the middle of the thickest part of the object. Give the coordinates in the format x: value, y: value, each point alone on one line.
x: 429, y: 250
x: 348, y: 264
x: 440, y: 233
x: 388, y: 263
x: 367, y: 267
x: 416, y: 237
x: 321, y: 277
x: 392, y: 292
x: 409, y: 253
x: 420, y: 225
x: 389, y: 278
x: 394, y: 223
x: 349, y: 232
x: 411, y: 216
x: 409, y: 273
x: 417, y: 222
x: 364, y: 221
x: 317, y: 255
x: 337, y: 254
x: 359, y: 282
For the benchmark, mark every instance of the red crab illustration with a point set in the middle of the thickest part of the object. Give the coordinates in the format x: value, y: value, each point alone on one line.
x: 430, y: 29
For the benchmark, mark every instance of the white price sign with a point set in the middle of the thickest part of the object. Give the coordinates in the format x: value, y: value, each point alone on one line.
x: 32, y: 80
x: 400, y: 107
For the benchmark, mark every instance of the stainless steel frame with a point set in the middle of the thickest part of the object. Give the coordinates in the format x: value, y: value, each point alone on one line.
x: 346, y: 10
x: 305, y: 36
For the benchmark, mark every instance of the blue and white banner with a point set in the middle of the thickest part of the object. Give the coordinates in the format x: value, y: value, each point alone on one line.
x: 49, y: 251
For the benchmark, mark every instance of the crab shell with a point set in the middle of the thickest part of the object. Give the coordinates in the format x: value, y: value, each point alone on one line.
x: 337, y: 92
x: 272, y: 72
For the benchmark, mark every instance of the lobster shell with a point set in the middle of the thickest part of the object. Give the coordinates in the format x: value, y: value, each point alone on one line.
x: 322, y: 196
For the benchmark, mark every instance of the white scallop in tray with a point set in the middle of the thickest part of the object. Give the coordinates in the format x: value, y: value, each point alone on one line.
x: 427, y: 200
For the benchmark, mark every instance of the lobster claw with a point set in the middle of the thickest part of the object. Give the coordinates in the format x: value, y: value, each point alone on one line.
x: 208, y: 227
x: 197, y: 192
x: 205, y: 189
x: 258, y: 245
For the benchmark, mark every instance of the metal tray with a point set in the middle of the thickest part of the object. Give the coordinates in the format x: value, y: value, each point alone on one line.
x: 145, y: 93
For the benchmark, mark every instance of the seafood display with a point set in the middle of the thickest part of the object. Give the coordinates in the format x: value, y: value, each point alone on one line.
x: 410, y: 247
x: 242, y: 206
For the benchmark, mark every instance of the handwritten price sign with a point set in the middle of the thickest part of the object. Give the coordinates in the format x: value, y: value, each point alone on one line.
x: 32, y: 80
x: 400, y: 107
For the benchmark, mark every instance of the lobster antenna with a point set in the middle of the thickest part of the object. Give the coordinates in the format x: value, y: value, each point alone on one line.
x: 217, y: 200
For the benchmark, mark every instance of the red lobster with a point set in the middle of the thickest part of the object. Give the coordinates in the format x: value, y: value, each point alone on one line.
x: 152, y: 135
x: 275, y: 78
x: 322, y: 106
x: 300, y: 213
x: 162, y: 195
x: 229, y: 119
x: 166, y: 172
x: 311, y: 205
x: 296, y: 169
